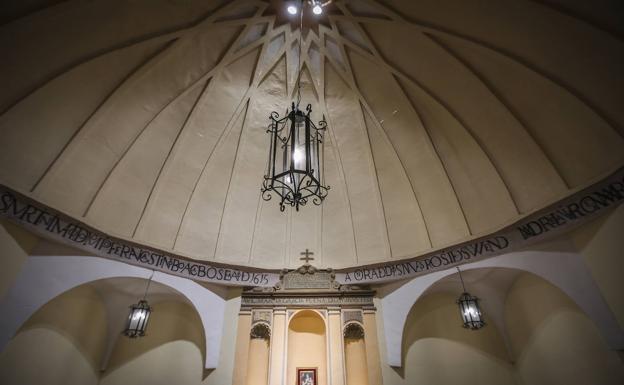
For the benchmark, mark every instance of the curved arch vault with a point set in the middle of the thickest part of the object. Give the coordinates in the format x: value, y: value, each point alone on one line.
x: 453, y: 128
x: 155, y: 132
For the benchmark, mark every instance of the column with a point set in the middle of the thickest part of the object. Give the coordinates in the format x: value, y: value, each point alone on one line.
x: 334, y: 337
x: 372, y: 348
x: 242, y: 347
x: 278, y: 347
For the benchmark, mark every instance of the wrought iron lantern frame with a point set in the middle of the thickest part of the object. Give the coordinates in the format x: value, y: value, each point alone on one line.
x: 139, y: 315
x: 299, y: 177
x: 469, y: 309
x: 138, y: 319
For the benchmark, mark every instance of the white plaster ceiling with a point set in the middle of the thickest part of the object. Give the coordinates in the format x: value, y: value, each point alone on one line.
x: 447, y: 119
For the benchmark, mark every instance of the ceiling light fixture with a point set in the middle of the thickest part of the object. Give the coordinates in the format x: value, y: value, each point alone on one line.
x: 139, y: 315
x: 318, y: 5
x: 292, y: 9
x: 295, y: 166
x: 469, y: 309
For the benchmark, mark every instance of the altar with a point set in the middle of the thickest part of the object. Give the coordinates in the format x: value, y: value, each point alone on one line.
x: 307, y: 330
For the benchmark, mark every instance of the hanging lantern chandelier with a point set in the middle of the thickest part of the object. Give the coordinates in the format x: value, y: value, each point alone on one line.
x: 139, y: 316
x: 469, y: 309
x: 295, y: 164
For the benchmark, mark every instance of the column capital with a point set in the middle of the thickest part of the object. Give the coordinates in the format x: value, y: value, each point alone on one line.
x: 333, y: 310
x: 281, y: 310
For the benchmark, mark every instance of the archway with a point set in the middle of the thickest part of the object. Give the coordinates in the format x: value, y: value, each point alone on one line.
x: 76, y: 331
x: 535, y: 332
x: 62, y: 343
x: 57, y: 274
x: 307, y: 345
x: 565, y: 270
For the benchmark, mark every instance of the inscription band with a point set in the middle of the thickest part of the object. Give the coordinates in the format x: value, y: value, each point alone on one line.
x: 555, y: 219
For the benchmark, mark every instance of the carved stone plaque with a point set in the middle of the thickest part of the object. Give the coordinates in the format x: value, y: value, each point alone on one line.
x: 352, y: 315
x: 262, y: 315
x: 314, y: 301
x: 318, y: 280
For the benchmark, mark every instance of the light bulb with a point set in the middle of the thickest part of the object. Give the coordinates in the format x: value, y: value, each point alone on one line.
x: 292, y: 9
x: 317, y: 9
x: 470, y: 312
x: 298, y: 156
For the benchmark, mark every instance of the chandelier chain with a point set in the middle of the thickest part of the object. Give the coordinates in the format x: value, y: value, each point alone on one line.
x: 149, y: 281
x: 461, y: 279
x: 299, y: 66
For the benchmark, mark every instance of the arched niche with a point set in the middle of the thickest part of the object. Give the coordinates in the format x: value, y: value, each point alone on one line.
x: 550, y: 338
x: 355, y: 353
x: 553, y: 339
x: 307, y: 345
x: 437, y: 350
x: 563, y: 269
x: 171, y: 352
x: 68, y: 338
x: 62, y: 343
x: 55, y: 275
x: 259, y: 345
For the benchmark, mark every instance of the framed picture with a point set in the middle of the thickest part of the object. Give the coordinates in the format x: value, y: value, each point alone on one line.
x: 306, y: 376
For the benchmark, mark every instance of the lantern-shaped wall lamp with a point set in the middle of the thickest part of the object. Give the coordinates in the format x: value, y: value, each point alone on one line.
x: 469, y: 309
x: 139, y: 316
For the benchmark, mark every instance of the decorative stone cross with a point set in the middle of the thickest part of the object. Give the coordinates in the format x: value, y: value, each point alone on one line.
x: 307, y: 257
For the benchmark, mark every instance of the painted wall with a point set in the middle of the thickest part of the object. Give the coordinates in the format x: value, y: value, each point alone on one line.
x: 553, y: 341
x: 438, y: 351
x: 64, y: 341
x: 601, y: 243
x: 306, y: 346
x: 355, y: 361
x: 172, y: 352
x: 15, y: 245
x: 258, y: 362
x: 61, y: 344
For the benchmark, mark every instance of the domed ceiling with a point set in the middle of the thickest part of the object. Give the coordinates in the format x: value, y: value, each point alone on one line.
x: 448, y: 120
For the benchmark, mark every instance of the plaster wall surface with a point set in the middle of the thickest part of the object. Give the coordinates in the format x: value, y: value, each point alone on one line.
x: 438, y: 351
x: 61, y: 344
x: 64, y: 343
x: 600, y: 243
x: 15, y: 244
x: 554, y: 342
x: 258, y: 364
x: 355, y: 362
x: 170, y: 353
